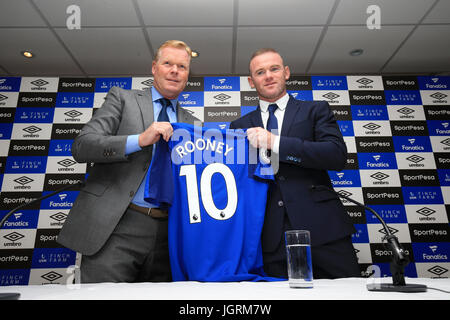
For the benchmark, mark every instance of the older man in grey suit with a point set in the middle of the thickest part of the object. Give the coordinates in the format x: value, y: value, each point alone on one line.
x: 120, y: 236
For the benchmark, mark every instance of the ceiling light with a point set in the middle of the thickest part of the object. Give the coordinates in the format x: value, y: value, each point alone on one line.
x: 27, y: 54
x: 356, y: 52
x: 194, y: 54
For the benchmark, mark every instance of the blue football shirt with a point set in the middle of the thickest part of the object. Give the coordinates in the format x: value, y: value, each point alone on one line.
x: 216, y: 192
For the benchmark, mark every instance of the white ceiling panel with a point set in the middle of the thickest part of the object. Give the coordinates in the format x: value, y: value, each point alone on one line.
x: 283, y: 12
x: 214, y: 45
x: 118, y: 37
x: 186, y: 13
x: 391, y: 12
x: 50, y: 57
x: 94, y: 13
x: 427, y: 50
x: 295, y: 44
x: 378, y: 45
x: 103, y: 51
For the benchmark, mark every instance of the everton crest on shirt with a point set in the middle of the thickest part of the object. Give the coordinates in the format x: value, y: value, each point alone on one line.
x: 215, y: 189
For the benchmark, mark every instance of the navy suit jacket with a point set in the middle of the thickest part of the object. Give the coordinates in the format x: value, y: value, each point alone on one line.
x: 310, y: 144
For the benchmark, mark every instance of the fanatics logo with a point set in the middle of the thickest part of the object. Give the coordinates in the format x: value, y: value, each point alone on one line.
x: 414, y: 144
x: 191, y: 99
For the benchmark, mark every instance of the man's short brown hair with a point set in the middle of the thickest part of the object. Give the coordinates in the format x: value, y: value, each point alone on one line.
x: 260, y: 52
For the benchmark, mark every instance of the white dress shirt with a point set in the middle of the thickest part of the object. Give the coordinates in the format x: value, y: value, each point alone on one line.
x: 279, y: 114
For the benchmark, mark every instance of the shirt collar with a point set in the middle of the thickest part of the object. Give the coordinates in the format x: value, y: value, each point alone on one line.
x: 281, y: 103
x: 156, y: 96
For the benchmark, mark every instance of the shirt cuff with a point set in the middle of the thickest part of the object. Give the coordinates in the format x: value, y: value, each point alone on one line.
x: 276, y: 144
x: 132, y: 144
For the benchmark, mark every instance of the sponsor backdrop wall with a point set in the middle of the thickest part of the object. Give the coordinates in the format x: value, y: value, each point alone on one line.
x: 397, y: 131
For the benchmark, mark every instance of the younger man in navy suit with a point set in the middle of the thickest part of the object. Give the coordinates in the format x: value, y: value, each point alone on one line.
x: 307, y: 141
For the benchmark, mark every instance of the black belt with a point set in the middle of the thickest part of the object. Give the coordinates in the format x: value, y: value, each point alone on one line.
x: 152, y: 212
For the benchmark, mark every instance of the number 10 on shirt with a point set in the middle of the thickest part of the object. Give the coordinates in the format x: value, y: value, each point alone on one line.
x: 190, y: 172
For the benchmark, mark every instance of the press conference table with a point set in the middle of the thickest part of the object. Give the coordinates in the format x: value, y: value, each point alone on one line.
x: 339, y: 289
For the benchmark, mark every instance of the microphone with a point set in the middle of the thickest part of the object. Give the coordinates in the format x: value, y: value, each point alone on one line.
x: 399, y: 257
x: 80, y: 183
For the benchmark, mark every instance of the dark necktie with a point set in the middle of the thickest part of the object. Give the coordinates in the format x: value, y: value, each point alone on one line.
x: 272, y: 123
x: 165, y: 103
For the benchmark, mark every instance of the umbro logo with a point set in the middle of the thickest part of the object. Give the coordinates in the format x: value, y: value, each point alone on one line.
x: 364, y: 81
x: 438, y: 95
x: 32, y: 129
x: 331, y: 95
x: 66, y: 162
x: 415, y: 158
x: 39, y: 82
x: 148, y: 82
x: 379, y: 176
x: 73, y: 114
x: 425, y: 211
x: 23, y: 180
x: 13, y: 236
x: 371, y: 126
x: 51, y: 276
x: 222, y: 97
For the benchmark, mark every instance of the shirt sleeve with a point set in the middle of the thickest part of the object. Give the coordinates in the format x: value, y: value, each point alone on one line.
x: 132, y: 144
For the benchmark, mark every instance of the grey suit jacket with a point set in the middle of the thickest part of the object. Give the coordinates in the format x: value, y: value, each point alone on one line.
x: 115, y: 177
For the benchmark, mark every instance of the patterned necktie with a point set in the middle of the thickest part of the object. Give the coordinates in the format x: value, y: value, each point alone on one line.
x: 165, y: 103
x: 272, y: 123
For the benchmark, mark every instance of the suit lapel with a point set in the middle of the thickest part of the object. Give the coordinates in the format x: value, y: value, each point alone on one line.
x: 182, y: 115
x: 289, y: 115
x: 256, y: 119
x: 145, y: 103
